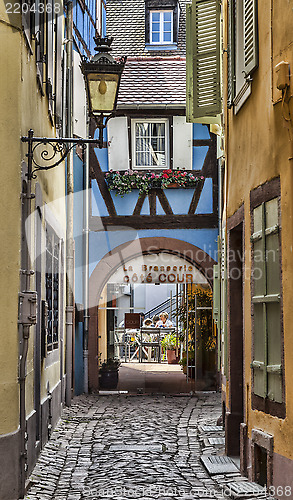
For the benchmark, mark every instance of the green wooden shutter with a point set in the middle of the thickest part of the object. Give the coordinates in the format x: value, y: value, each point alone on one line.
x: 267, y: 360
x: 206, y: 60
x: 274, y: 348
x: 250, y: 36
x: 259, y: 310
x: 231, y: 54
x: 189, y: 64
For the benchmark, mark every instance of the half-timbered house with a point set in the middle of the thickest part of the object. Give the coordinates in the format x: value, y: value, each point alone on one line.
x: 149, y: 137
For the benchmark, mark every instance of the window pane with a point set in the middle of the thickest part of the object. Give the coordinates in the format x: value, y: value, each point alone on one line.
x: 156, y: 16
x: 150, y: 144
x: 258, y: 349
x: 156, y: 37
x: 274, y: 351
x: 167, y: 37
x: 167, y: 16
x: 155, y: 27
x: 257, y: 216
x: 273, y: 264
x: 258, y: 271
x: 167, y: 27
x: 271, y: 208
x: 274, y: 340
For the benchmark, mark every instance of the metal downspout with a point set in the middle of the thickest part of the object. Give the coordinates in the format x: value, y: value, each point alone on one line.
x: 70, y: 190
x: 86, y: 268
x: 24, y: 332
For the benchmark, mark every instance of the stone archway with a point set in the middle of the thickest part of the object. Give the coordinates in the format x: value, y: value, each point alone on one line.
x: 119, y: 256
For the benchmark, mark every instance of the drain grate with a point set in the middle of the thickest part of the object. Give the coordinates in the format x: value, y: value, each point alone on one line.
x: 220, y: 440
x: 218, y: 464
x: 137, y: 447
x: 245, y: 489
x: 211, y: 428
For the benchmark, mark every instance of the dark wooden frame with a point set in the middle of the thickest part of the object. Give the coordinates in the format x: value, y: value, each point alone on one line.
x: 151, y: 5
x: 154, y: 221
x: 266, y: 192
x: 235, y: 330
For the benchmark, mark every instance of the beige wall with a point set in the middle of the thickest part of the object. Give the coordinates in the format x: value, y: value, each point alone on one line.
x: 22, y: 107
x: 257, y: 149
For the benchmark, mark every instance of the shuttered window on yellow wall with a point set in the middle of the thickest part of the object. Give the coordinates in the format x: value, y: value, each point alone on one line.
x: 203, y: 59
x: 267, y: 357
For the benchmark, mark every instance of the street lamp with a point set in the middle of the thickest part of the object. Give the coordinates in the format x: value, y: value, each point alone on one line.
x: 102, y: 76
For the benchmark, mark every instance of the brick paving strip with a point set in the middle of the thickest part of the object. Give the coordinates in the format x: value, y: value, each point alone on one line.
x: 126, y: 447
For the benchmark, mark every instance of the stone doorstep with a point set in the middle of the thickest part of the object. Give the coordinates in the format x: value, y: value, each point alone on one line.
x: 218, y: 464
x: 245, y: 489
x: 211, y: 428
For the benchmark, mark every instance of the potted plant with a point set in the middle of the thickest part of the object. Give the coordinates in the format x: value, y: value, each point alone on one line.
x: 108, y: 373
x: 191, y: 359
x: 169, y: 344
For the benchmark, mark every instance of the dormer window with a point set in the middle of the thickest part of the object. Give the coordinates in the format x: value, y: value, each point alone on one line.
x: 161, y: 24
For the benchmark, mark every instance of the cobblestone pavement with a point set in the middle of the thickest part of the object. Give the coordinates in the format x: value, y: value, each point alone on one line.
x: 126, y: 447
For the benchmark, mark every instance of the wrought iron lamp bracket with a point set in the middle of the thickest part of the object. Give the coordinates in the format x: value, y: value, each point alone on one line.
x: 58, y: 147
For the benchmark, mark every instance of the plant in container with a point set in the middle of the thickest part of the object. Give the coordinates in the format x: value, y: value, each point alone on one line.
x: 191, y: 359
x: 108, y: 373
x: 169, y: 344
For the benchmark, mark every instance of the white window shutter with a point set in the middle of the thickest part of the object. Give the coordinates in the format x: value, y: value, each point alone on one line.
x: 118, y: 149
x: 231, y: 54
x: 182, y: 143
x: 250, y: 36
x: 206, y: 60
x: 79, y: 98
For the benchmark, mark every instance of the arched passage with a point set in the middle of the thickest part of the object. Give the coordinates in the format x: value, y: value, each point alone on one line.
x: 120, y: 255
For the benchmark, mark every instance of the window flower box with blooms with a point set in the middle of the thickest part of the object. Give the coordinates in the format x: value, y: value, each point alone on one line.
x: 125, y: 182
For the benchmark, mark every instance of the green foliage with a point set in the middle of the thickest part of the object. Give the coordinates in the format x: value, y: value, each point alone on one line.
x: 110, y: 364
x: 125, y: 182
x: 169, y: 341
x: 205, y: 332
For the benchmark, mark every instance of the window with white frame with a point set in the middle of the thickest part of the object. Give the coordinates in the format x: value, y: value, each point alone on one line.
x: 161, y: 28
x: 150, y: 143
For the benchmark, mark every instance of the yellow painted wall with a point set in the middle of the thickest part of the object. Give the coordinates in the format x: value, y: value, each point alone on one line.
x: 22, y: 107
x: 257, y: 149
x: 10, y: 188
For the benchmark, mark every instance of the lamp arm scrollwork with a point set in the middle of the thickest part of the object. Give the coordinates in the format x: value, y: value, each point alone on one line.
x: 47, y: 149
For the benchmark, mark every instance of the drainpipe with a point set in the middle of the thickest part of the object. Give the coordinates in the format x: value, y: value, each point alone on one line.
x: 22, y: 414
x: 70, y: 190
x: 86, y: 267
x: 26, y: 318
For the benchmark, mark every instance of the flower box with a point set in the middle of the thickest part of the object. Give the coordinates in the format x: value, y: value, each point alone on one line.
x: 124, y: 182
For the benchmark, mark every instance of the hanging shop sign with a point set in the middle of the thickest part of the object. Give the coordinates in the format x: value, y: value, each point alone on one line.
x: 162, y: 268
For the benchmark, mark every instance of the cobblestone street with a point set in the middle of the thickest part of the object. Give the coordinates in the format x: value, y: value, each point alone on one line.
x: 127, y: 447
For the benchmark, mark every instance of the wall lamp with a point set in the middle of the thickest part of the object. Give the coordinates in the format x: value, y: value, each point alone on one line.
x: 102, y: 76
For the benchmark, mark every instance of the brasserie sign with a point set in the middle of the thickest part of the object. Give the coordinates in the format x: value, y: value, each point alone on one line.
x: 157, y: 268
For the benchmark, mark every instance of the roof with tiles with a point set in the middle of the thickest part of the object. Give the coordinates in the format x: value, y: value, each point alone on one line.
x: 126, y: 23
x: 153, y: 81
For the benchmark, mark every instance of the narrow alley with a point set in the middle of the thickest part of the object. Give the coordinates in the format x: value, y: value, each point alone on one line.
x: 145, y: 447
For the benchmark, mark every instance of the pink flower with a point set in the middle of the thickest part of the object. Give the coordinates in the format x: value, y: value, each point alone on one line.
x: 144, y: 178
x: 157, y: 176
x: 153, y: 176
